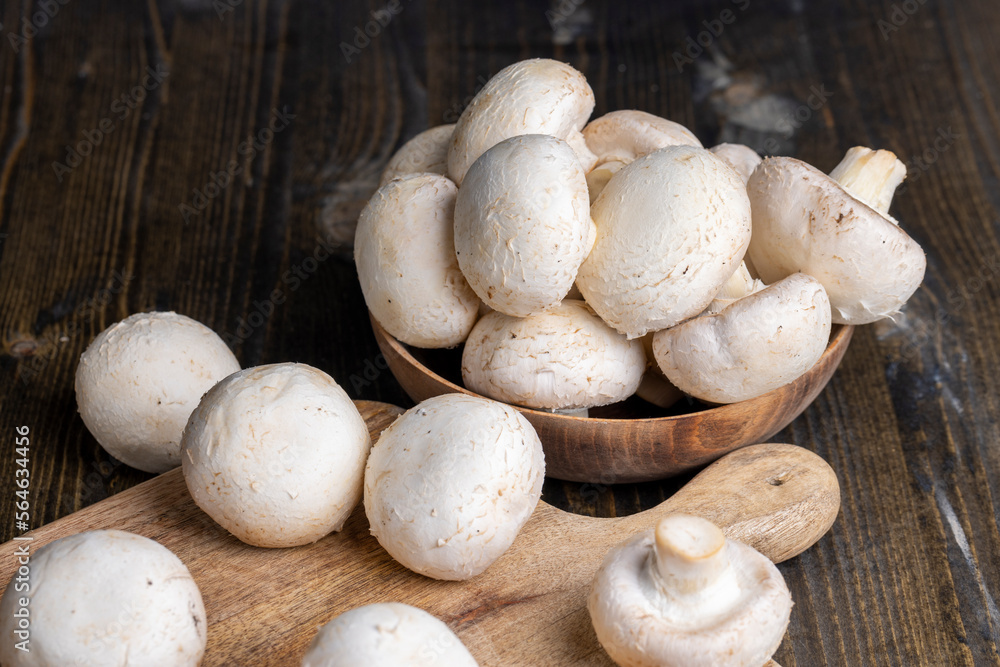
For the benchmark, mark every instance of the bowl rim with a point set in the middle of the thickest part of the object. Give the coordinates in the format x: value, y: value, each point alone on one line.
x: 840, y: 336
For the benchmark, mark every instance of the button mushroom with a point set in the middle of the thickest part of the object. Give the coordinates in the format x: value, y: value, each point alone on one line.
x: 276, y: 455
x: 104, y: 598
x: 450, y: 483
x: 139, y: 380
x: 522, y: 224
x: 672, y: 227
x: 564, y: 358
x: 757, y: 343
x: 538, y: 96
x: 425, y: 153
x: 404, y: 249
x: 683, y: 594
x: 386, y: 635
x: 806, y: 221
x: 742, y: 159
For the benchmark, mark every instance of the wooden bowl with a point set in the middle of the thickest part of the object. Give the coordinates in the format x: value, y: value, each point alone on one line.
x: 632, y: 441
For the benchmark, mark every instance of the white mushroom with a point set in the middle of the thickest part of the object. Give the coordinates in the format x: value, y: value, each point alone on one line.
x: 805, y: 221
x: 139, y: 380
x: 522, y: 224
x: 683, y: 594
x: 742, y: 159
x: 450, y: 483
x: 672, y: 227
x: 655, y: 388
x: 757, y: 343
x: 564, y: 358
x: 276, y: 455
x: 386, y: 634
x: 739, y: 285
x: 619, y: 137
x: 425, y: 153
x: 103, y: 598
x: 538, y: 96
x: 404, y: 249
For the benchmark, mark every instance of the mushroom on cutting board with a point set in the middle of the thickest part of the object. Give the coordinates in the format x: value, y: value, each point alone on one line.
x: 522, y: 224
x: 139, y: 380
x: 805, y: 221
x: 683, y: 594
x: 108, y: 598
x: 742, y: 159
x: 620, y: 137
x: 404, y: 249
x: 450, y: 484
x: 538, y: 96
x: 388, y: 634
x: 276, y: 455
x: 565, y: 358
x: 425, y: 153
x: 672, y: 227
x: 759, y: 342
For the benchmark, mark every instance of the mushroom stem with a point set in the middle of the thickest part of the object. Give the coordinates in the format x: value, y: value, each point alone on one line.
x: 690, y: 554
x: 871, y: 176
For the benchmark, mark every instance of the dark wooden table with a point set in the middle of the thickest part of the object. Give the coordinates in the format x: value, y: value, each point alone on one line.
x: 193, y: 155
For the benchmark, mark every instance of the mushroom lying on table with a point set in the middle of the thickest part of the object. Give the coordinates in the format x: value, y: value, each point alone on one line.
x: 805, y: 221
x: 684, y: 595
x: 386, y: 635
x: 108, y: 598
x: 450, y: 484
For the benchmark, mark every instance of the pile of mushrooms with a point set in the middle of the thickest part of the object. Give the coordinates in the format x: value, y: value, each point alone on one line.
x: 548, y: 245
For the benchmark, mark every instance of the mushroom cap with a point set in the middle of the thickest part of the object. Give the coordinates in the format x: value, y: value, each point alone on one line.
x: 425, y: 153
x: 404, y: 249
x: 672, y: 227
x: 804, y: 221
x: 449, y: 485
x: 537, y: 96
x: 738, y: 621
x: 564, y: 358
x: 742, y: 159
x: 276, y: 455
x: 110, y: 598
x: 522, y: 224
x: 758, y: 343
x: 623, y: 136
x: 139, y: 380
x: 387, y: 634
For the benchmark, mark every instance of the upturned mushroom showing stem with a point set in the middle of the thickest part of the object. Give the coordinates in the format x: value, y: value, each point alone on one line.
x: 683, y: 594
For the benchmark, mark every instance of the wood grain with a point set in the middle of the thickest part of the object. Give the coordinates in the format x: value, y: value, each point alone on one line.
x: 631, y: 445
x: 911, y: 573
x: 528, y: 608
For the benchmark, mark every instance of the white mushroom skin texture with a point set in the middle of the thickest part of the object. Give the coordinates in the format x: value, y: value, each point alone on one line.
x: 404, y: 249
x: 450, y: 483
x: 522, y: 224
x: 386, y: 634
x: 684, y: 595
x: 425, y: 153
x: 756, y: 344
x: 104, y: 598
x: 805, y: 222
x: 742, y: 159
x: 538, y: 96
x: 276, y: 455
x: 564, y: 358
x: 672, y: 227
x: 139, y: 380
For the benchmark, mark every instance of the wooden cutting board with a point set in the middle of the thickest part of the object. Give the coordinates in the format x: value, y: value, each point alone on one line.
x: 529, y: 608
